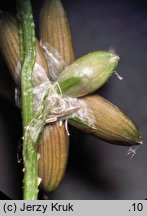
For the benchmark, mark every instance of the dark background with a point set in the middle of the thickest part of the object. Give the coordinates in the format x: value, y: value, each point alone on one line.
x: 96, y: 170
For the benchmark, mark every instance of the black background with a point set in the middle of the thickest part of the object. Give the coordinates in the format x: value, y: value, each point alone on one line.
x: 96, y: 170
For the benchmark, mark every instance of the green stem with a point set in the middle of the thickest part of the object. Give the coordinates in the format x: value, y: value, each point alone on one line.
x: 28, y: 57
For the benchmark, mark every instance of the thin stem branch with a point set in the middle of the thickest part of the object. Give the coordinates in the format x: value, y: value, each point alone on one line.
x: 28, y: 57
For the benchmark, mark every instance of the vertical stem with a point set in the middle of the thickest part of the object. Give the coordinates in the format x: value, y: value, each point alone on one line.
x: 28, y: 56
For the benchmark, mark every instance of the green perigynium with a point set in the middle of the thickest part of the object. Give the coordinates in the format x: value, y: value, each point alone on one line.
x: 87, y: 73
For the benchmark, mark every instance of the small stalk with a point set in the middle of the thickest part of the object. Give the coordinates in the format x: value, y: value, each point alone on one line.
x: 28, y: 57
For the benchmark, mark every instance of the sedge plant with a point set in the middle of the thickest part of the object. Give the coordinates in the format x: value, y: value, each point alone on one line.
x: 57, y: 89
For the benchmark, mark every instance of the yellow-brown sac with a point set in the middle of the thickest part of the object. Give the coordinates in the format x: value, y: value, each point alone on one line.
x: 9, y: 46
x: 111, y: 124
x: 53, y: 151
x: 55, y: 30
